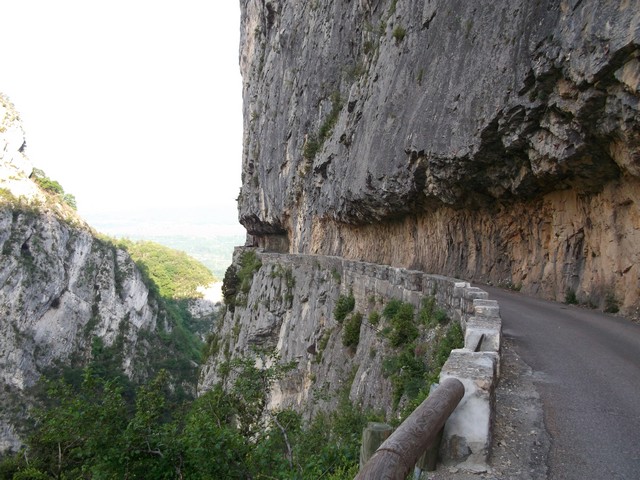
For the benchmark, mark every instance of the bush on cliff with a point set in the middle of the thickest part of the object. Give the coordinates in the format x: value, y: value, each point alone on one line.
x: 344, y: 306
x: 93, y: 431
x: 53, y: 187
x: 351, y: 332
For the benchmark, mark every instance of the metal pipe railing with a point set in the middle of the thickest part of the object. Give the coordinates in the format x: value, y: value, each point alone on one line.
x: 397, y: 456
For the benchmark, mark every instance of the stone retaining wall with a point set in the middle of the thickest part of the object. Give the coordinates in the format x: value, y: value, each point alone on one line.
x: 467, y: 434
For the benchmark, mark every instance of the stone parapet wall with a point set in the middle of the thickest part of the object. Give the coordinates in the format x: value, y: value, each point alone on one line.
x: 467, y: 434
x: 457, y: 297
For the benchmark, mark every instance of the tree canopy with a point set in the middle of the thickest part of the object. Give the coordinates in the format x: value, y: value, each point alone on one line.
x: 176, y: 274
x: 93, y: 431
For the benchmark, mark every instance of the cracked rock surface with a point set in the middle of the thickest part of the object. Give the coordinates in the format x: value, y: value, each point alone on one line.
x: 491, y: 141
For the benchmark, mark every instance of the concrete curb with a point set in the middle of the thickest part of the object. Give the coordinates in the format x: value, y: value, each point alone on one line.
x: 468, y: 433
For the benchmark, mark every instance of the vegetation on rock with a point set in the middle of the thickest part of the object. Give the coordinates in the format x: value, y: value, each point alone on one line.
x: 314, y: 143
x: 344, y: 306
x: 238, y: 280
x: 174, y: 273
x: 415, y: 362
x: 351, y: 332
x: 118, y: 344
x: 94, y: 431
x: 53, y: 187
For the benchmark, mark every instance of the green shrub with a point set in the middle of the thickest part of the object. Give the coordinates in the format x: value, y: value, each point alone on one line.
x: 399, y: 33
x: 230, y: 287
x: 322, y: 344
x: 314, y: 142
x: 49, y: 185
x: 611, y: 304
x: 427, y: 310
x: 311, y: 148
x: 369, y: 46
x: 70, y: 200
x: 31, y: 473
x: 391, y: 308
x: 351, y: 331
x: 440, y: 317
x: 211, y: 346
x: 374, y: 318
x: 53, y: 187
x: 249, y: 264
x: 404, y: 327
x: 406, y: 372
x: 5, y: 194
x: 570, y: 297
x: 344, y: 306
x: 335, y: 274
x: 454, y: 338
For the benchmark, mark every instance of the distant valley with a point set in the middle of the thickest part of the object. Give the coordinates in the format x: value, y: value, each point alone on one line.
x: 207, y: 234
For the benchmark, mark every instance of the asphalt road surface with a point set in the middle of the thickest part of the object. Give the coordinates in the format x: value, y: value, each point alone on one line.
x: 586, y: 366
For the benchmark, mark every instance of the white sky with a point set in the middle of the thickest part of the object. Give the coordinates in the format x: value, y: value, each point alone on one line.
x: 129, y: 104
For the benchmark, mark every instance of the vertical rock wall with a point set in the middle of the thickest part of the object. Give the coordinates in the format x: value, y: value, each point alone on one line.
x: 495, y: 141
x: 290, y: 307
x: 61, y: 289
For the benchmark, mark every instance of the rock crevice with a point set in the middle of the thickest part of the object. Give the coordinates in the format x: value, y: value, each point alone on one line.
x: 436, y: 118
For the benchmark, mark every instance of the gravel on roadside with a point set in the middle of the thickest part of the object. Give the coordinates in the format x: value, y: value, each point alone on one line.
x: 520, y: 444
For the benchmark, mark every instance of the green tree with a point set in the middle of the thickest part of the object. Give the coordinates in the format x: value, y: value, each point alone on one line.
x: 175, y: 273
x: 344, y: 306
x: 148, y: 450
x: 212, y: 446
x: 404, y: 326
x: 49, y: 185
x: 351, y: 332
x: 91, y: 432
x: 78, y: 429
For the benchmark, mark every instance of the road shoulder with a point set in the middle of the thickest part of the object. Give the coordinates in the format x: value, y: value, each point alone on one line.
x: 521, y: 444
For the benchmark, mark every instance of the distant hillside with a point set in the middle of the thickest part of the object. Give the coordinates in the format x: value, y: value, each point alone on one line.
x: 206, y: 234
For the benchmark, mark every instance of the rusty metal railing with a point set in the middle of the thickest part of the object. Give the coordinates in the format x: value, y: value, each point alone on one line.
x: 397, y: 456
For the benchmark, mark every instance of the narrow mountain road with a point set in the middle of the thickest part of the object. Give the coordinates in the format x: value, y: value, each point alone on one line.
x: 586, y: 366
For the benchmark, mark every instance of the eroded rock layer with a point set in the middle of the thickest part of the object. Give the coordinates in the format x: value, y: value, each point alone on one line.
x: 493, y: 141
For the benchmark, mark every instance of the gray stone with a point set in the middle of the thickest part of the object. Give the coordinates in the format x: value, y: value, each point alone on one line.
x: 459, y: 147
x: 471, y: 422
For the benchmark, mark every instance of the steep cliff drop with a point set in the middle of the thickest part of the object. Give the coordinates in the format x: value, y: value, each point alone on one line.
x: 66, y: 296
x: 492, y: 141
x: 387, y: 143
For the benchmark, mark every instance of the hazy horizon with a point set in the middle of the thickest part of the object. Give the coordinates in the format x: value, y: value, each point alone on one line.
x: 204, y: 233
x: 129, y: 105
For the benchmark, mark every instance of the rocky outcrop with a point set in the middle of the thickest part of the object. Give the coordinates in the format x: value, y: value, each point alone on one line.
x: 62, y: 289
x: 290, y: 306
x: 493, y: 141
x: 15, y: 166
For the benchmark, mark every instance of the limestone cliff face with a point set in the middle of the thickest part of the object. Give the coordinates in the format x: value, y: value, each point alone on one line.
x: 494, y: 141
x: 61, y: 287
x: 290, y: 307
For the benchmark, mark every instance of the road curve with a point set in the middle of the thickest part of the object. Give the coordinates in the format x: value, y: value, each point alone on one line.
x: 586, y: 366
